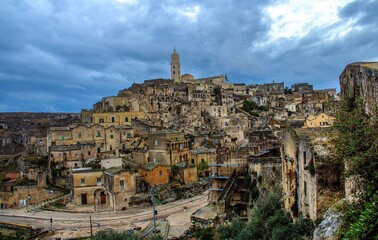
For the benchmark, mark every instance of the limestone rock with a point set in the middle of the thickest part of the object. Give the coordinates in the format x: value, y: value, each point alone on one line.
x: 327, y: 229
x: 361, y: 80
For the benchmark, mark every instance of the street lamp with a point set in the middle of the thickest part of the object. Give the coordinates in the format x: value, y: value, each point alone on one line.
x: 29, y: 197
x: 153, y: 211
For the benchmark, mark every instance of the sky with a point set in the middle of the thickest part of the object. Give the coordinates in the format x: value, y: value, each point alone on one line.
x: 65, y: 55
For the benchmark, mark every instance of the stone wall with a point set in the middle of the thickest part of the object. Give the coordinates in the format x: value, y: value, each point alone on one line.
x: 311, y: 178
x: 27, y: 195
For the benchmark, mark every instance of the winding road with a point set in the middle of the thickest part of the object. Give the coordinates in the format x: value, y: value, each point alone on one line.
x: 69, y: 225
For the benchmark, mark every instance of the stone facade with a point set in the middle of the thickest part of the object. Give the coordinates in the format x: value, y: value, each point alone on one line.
x: 154, y: 174
x: 319, y: 121
x: 167, y: 147
x: 110, y: 189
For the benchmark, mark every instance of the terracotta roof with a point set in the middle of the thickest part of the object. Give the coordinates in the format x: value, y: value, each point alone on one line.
x: 12, y: 175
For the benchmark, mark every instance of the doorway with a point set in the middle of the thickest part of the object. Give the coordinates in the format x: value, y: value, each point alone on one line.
x: 84, y: 200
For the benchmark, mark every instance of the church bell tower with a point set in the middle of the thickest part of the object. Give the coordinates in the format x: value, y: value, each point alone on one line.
x: 175, y: 66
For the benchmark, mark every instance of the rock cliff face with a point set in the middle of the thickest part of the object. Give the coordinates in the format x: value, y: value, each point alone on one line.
x: 361, y: 80
x: 327, y: 229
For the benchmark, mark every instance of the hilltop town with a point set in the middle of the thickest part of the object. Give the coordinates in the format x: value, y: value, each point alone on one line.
x: 185, y: 136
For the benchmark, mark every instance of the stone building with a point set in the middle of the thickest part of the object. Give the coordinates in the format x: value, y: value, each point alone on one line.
x: 167, y: 147
x: 92, y: 138
x: 319, y: 121
x: 87, y: 187
x: 109, y: 189
x: 273, y: 88
x: 175, y: 66
x: 107, y: 119
x: 121, y: 186
x: 301, y: 87
x: 154, y: 174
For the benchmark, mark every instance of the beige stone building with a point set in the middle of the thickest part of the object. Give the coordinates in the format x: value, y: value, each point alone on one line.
x: 109, y: 189
x: 321, y: 120
x: 167, y: 147
x: 87, y: 187
x: 175, y: 66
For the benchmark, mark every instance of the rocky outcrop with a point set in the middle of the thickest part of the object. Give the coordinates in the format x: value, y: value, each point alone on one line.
x: 361, y: 80
x: 327, y: 229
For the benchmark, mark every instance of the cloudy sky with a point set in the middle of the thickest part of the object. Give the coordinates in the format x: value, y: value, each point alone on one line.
x: 65, y: 55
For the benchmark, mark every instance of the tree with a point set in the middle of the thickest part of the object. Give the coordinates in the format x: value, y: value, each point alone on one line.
x: 357, y: 148
x: 268, y: 221
x: 111, y: 234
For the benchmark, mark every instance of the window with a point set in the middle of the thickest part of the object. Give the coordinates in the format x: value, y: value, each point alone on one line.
x: 113, y: 119
x: 98, y: 134
x: 98, y: 181
x: 75, y: 164
x: 174, y: 66
x: 202, y: 160
x: 304, y: 157
x: 192, y: 161
x: 173, y: 72
x: 111, y: 136
x: 156, y: 142
x: 122, y: 184
x: 62, y: 137
x: 126, y: 119
x: 79, y: 135
x: 89, y: 153
x: 101, y: 120
x: 305, y: 188
x: 160, y: 173
x: 82, y: 181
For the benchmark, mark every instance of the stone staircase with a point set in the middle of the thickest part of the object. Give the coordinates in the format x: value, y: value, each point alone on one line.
x: 162, y: 228
x: 227, y: 190
x: 32, y: 207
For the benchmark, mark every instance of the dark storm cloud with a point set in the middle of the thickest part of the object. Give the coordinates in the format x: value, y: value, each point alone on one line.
x: 66, y: 55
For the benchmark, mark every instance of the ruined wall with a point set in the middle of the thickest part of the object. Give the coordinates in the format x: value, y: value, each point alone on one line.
x: 361, y: 80
x: 19, y: 197
x: 289, y: 169
x: 306, y: 179
x: 268, y: 170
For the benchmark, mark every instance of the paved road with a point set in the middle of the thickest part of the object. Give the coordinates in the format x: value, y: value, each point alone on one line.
x: 77, y: 224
